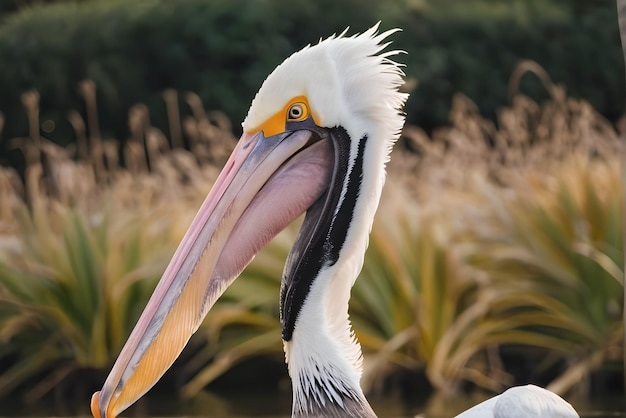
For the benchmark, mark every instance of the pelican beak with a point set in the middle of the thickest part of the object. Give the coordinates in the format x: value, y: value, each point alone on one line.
x: 265, y: 185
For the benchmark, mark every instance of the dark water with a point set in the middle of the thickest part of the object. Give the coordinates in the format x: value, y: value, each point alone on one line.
x: 277, y: 406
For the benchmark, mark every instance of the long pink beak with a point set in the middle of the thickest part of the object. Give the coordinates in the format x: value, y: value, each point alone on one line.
x: 265, y: 185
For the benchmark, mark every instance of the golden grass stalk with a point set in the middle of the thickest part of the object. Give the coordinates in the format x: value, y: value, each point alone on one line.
x: 535, y: 213
x: 489, y: 235
x: 81, y: 247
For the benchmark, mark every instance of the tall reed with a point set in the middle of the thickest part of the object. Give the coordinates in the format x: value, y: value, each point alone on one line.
x: 491, y: 236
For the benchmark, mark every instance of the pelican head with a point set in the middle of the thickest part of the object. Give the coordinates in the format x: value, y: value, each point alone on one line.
x: 316, y: 140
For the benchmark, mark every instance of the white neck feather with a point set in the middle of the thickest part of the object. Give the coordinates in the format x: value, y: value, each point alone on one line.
x: 361, y: 95
x: 324, y: 357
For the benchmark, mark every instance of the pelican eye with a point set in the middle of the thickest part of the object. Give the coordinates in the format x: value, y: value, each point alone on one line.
x: 297, y: 112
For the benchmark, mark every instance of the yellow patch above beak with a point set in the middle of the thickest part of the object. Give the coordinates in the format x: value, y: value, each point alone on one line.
x: 296, y: 110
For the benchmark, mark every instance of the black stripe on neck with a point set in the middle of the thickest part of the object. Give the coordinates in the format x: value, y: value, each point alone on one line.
x: 323, y: 232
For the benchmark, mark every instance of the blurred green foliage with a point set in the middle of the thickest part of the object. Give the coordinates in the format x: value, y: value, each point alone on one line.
x: 472, y: 47
x: 72, y: 285
x: 11, y: 6
x: 223, y: 50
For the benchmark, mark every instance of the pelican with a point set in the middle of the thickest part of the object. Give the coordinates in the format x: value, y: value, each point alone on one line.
x: 316, y: 139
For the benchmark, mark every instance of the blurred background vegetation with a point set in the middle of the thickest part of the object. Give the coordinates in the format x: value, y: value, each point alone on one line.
x: 222, y: 51
x: 496, y: 257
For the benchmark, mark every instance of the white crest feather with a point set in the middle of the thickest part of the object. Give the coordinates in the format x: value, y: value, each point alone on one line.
x: 347, y: 80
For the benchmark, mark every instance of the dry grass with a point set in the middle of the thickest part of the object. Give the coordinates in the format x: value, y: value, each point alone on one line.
x: 488, y: 235
x: 513, y: 232
x: 84, y: 241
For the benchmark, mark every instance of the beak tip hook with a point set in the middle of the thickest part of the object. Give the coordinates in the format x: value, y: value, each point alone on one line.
x: 95, y: 405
